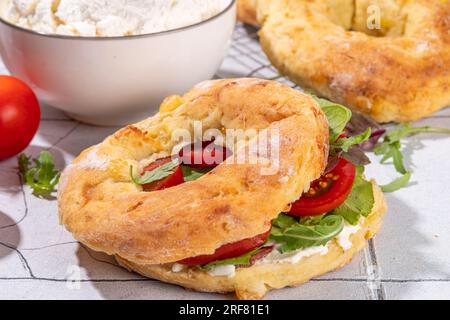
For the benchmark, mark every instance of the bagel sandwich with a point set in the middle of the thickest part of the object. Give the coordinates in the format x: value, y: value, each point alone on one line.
x: 386, y: 58
x: 226, y: 225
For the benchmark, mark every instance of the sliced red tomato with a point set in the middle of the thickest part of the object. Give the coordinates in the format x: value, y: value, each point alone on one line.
x: 204, y: 155
x: 328, y: 192
x: 228, y: 251
x: 174, y: 179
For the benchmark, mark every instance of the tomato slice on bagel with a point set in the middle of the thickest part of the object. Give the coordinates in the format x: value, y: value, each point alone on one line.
x: 228, y: 251
x: 328, y: 192
x: 204, y: 155
x: 174, y: 179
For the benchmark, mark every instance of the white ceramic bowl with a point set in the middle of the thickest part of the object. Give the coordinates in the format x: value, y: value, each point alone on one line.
x: 115, y: 81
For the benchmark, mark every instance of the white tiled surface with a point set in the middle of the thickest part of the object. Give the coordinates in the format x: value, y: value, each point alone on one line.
x: 409, y: 258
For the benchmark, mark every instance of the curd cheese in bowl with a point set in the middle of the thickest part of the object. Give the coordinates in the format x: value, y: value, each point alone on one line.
x: 109, y: 18
x: 111, y: 62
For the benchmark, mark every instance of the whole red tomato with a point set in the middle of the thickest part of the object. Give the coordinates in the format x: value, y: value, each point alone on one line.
x: 19, y: 116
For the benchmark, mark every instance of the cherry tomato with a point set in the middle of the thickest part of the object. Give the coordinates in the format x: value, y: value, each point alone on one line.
x: 206, y: 155
x: 328, y: 192
x: 174, y: 179
x: 19, y: 116
x: 230, y: 250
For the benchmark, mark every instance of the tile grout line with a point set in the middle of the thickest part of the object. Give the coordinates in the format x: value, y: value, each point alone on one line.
x: 148, y: 279
x: 374, y: 283
x: 380, y: 287
x: 55, y: 144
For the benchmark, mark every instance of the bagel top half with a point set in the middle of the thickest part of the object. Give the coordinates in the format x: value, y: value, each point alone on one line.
x: 387, y: 58
x: 105, y: 210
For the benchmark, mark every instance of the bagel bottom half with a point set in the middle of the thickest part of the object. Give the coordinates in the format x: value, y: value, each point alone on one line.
x: 254, y: 282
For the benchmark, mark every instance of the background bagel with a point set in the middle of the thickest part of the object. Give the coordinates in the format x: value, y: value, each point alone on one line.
x: 105, y: 210
x: 256, y: 281
x: 399, y: 72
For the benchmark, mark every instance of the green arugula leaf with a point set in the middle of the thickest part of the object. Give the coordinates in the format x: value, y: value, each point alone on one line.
x: 406, y: 130
x: 283, y: 221
x: 323, y: 103
x: 42, y: 177
x: 338, y: 116
x: 392, y: 151
x: 245, y: 259
x: 390, y: 148
x: 155, y: 175
x: 359, y: 202
x: 192, y: 174
x: 397, y: 184
x: 293, y: 235
x: 24, y: 163
x: 47, y: 167
x: 345, y: 143
x: 312, y: 220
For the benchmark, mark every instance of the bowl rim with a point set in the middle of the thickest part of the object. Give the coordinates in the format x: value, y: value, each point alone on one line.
x: 133, y: 37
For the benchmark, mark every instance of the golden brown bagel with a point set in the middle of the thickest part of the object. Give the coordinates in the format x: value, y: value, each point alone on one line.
x: 105, y: 210
x: 256, y: 281
x: 399, y: 72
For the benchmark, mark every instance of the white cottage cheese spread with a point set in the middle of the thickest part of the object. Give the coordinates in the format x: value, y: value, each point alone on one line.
x: 343, y: 238
x: 176, y: 267
x: 292, y: 257
x: 223, y: 271
x: 106, y: 18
